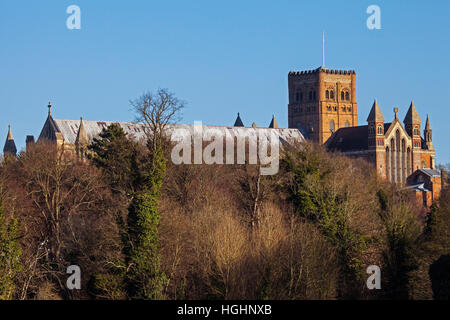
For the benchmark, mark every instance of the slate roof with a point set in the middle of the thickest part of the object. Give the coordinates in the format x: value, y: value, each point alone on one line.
x: 69, y: 130
x: 430, y: 172
x: 351, y: 139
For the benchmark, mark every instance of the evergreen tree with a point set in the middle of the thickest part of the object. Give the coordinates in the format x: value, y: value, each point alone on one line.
x: 10, y: 253
x: 145, y: 279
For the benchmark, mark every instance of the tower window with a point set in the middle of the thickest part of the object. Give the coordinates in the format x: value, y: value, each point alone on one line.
x: 301, y: 96
x: 327, y: 94
x: 310, y: 95
x: 379, y: 130
x: 342, y: 95
x: 297, y: 96
x: 331, y: 94
x: 347, y: 96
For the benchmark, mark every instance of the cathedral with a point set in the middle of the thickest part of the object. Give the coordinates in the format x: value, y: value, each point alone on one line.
x: 322, y: 108
x: 322, y: 105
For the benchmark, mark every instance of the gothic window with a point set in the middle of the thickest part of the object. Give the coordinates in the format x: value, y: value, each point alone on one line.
x: 379, y: 130
x: 331, y: 94
x: 327, y: 94
x: 310, y: 95
x: 342, y: 95
x: 301, y: 96
x: 297, y: 96
x: 332, y: 126
x: 347, y: 96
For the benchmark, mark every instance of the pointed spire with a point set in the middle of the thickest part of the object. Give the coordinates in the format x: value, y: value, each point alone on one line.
x: 375, y: 114
x: 427, y: 124
x: 82, y: 138
x: 10, y: 146
x: 9, y: 137
x: 238, y: 122
x: 273, y: 123
x: 412, y: 117
x: 49, y: 109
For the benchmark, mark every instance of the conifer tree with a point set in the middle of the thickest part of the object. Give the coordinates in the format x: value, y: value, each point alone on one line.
x: 10, y: 253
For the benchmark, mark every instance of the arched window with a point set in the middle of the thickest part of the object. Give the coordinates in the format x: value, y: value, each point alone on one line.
x: 342, y: 95
x: 347, y: 96
x: 297, y: 96
x: 331, y: 94
x: 346, y: 124
x: 327, y: 94
x: 332, y: 126
x: 310, y: 95
x: 379, y: 130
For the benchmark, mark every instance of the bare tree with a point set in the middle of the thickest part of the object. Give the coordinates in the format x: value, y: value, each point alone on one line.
x: 157, y: 110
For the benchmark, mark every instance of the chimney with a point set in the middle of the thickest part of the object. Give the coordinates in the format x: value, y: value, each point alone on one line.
x: 29, y: 141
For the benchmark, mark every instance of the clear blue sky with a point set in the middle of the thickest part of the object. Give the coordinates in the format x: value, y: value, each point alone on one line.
x: 222, y: 57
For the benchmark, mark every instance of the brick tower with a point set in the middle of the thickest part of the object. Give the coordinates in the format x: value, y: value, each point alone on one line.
x: 322, y: 101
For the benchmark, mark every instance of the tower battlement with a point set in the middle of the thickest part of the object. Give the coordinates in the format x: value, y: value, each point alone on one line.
x: 321, y: 69
x: 321, y: 101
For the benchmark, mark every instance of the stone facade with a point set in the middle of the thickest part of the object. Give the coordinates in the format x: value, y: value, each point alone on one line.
x: 321, y: 101
x: 395, y: 150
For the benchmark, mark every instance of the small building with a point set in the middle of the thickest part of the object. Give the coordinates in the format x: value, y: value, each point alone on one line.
x: 427, y: 185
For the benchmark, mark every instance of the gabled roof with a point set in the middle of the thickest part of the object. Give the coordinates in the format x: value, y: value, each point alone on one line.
x: 69, y: 130
x: 430, y: 172
x: 417, y: 187
x: 412, y: 117
x: 349, y: 139
x: 375, y: 114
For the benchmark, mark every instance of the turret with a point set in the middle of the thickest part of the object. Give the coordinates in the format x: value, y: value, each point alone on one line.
x: 82, y: 141
x: 238, y: 122
x: 273, y: 124
x: 10, y: 146
x: 412, y: 125
x: 428, y: 136
x: 375, y: 122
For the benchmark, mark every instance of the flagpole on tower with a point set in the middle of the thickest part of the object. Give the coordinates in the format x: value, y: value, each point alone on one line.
x: 323, y: 49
